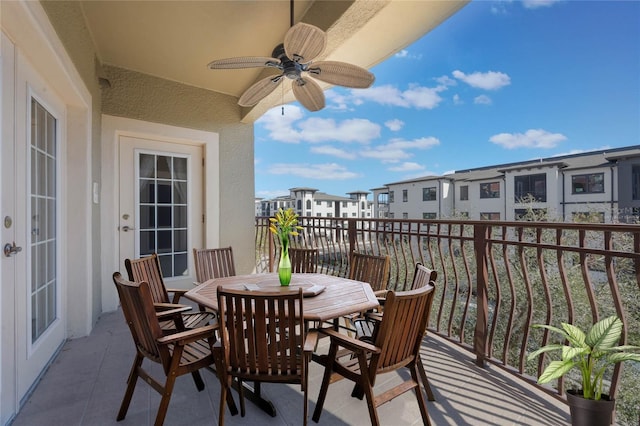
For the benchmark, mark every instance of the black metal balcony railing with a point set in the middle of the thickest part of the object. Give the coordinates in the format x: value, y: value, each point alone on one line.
x: 497, y: 279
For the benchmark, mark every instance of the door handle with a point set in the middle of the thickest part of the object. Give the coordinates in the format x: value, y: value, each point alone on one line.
x: 127, y: 228
x: 10, y: 249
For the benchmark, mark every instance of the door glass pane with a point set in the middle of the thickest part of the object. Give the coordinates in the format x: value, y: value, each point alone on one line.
x: 43, y: 211
x: 162, y: 210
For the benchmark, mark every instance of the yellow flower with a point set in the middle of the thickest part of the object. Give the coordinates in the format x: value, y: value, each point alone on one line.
x: 284, y: 223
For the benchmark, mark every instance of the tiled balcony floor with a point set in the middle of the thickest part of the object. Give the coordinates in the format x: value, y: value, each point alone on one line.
x: 86, y: 382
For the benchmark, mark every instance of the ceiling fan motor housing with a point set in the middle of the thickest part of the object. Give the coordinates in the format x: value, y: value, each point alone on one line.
x: 291, y: 69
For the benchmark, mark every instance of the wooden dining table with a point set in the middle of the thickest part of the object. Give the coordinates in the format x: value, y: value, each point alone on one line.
x: 326, y: 298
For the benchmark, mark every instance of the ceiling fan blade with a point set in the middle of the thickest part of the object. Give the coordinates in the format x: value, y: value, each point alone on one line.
x: 342, y: 74
x: 244, y: 62
x: 303, y: 42
x: 309, y: 94
x: 259, y: 90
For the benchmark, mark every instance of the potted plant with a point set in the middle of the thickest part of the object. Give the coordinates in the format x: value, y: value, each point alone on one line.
x: 284, y: 223
x: 591, y: 353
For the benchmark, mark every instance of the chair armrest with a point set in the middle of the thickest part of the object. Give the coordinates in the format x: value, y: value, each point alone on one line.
x: 373, y: 316
x: 311, y: 341
x: 177, y: 293
x: 169, y: 310
x: 349, y: 342
x: 188, y: 336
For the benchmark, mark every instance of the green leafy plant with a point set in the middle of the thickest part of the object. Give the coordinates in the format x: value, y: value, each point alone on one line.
x: 591, y: 353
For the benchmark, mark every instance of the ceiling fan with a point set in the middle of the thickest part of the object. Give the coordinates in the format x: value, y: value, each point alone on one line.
x: 302, y: 44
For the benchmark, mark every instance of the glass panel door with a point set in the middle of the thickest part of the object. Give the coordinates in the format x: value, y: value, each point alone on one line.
x: 43, y: 205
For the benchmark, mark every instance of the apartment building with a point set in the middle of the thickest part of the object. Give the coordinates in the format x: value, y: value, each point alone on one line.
x: 600, y: 185
x: 310, y: 202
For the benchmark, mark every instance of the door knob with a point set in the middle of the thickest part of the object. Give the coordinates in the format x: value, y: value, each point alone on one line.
x: 10, y: 249
x: 127, y: 228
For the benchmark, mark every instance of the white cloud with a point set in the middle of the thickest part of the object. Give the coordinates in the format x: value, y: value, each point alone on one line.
x: 404, y: 53
x: 394, y: 125
x: 327, y: 171
x: 532, y: 138
x: 580, y: 151
x: 490, y: 80
x: 293, y: 128
x: 445, y: 80
x: 457, y: 100
x: 406, y: 167
x: 326, y: 129
x: 416, y: 96
x: 482, y: 100
x: 397, y: 149
x: 336, y: 152
x: 534, y: 4
x: 272, y: 193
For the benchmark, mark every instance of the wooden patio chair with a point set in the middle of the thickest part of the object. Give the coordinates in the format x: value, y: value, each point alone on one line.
x: 183, y: 352
x: 304, y: 260
x: 371, y: 269
x: 213, y: 263
x: 262, y: 339
x: 396, y: 345
x: 148, y: 269
x: 367, y: 327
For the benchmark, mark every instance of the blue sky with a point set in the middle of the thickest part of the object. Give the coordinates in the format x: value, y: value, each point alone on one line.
x: 498, y: 82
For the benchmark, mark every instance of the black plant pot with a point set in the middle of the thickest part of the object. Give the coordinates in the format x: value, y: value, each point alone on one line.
x: 589, y: 412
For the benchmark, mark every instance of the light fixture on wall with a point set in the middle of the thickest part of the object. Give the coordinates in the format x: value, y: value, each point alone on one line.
x: 302, y: 44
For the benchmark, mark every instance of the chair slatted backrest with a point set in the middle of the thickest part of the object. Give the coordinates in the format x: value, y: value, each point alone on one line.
x: 214, y: 263
x: 304, y: 260
x: 403, y: 326
x: 147, y: 269
x: 423, y: 276
x: 262, y: 334
x: 371, y: 269
x: 139, y: 312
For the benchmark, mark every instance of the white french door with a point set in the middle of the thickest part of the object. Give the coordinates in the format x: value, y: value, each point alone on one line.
x: 33, y: 123
x: 161, y: 204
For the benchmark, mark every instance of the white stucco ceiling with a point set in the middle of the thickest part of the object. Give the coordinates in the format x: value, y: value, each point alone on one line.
x: 176, y: 40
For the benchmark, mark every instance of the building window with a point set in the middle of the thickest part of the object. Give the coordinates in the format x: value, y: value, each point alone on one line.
x: 362, y: 206
x: 405, y: 215
x: 354, y: 214
x: 391, y: 196
x: 391, y: 215
x: 383, y: 198
x: 429, y: 194
x: 329, y: 214
x: 490, y: 190
x: 531, y: 186
x: 345, y: 204
x: 345, y: 215
x: 318, y: 203
x: 587, y: 217
x: 308, y: 204
x: 490, y: 216
x: 329, y: 203
x: 635, y: 182
x: 319, y: 214
x: 587, y: 184
x: 530, y: 214
x: 299, y: 204
x: 405, y: 195
x: 429, y: 215
x: 464, y: 193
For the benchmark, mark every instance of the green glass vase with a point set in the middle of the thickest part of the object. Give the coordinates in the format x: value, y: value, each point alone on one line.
x: 284, y: 266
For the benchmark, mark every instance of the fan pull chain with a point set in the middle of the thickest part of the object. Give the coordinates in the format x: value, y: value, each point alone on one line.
x: 282, y: 91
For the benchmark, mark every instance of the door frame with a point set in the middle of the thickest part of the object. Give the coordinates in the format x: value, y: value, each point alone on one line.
x: 112, y: 129
x: 27, y: 27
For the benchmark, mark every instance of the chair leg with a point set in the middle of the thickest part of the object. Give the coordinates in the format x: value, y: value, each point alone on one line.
x: 365, y: 384
x: 131, y: 385
x: 333, y: 351
x: 223, y: 398
x: 425, y: 380
x: 166, y: 397
x: 422, y: 404
x: 241, y: 396
x: 197, y: 378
